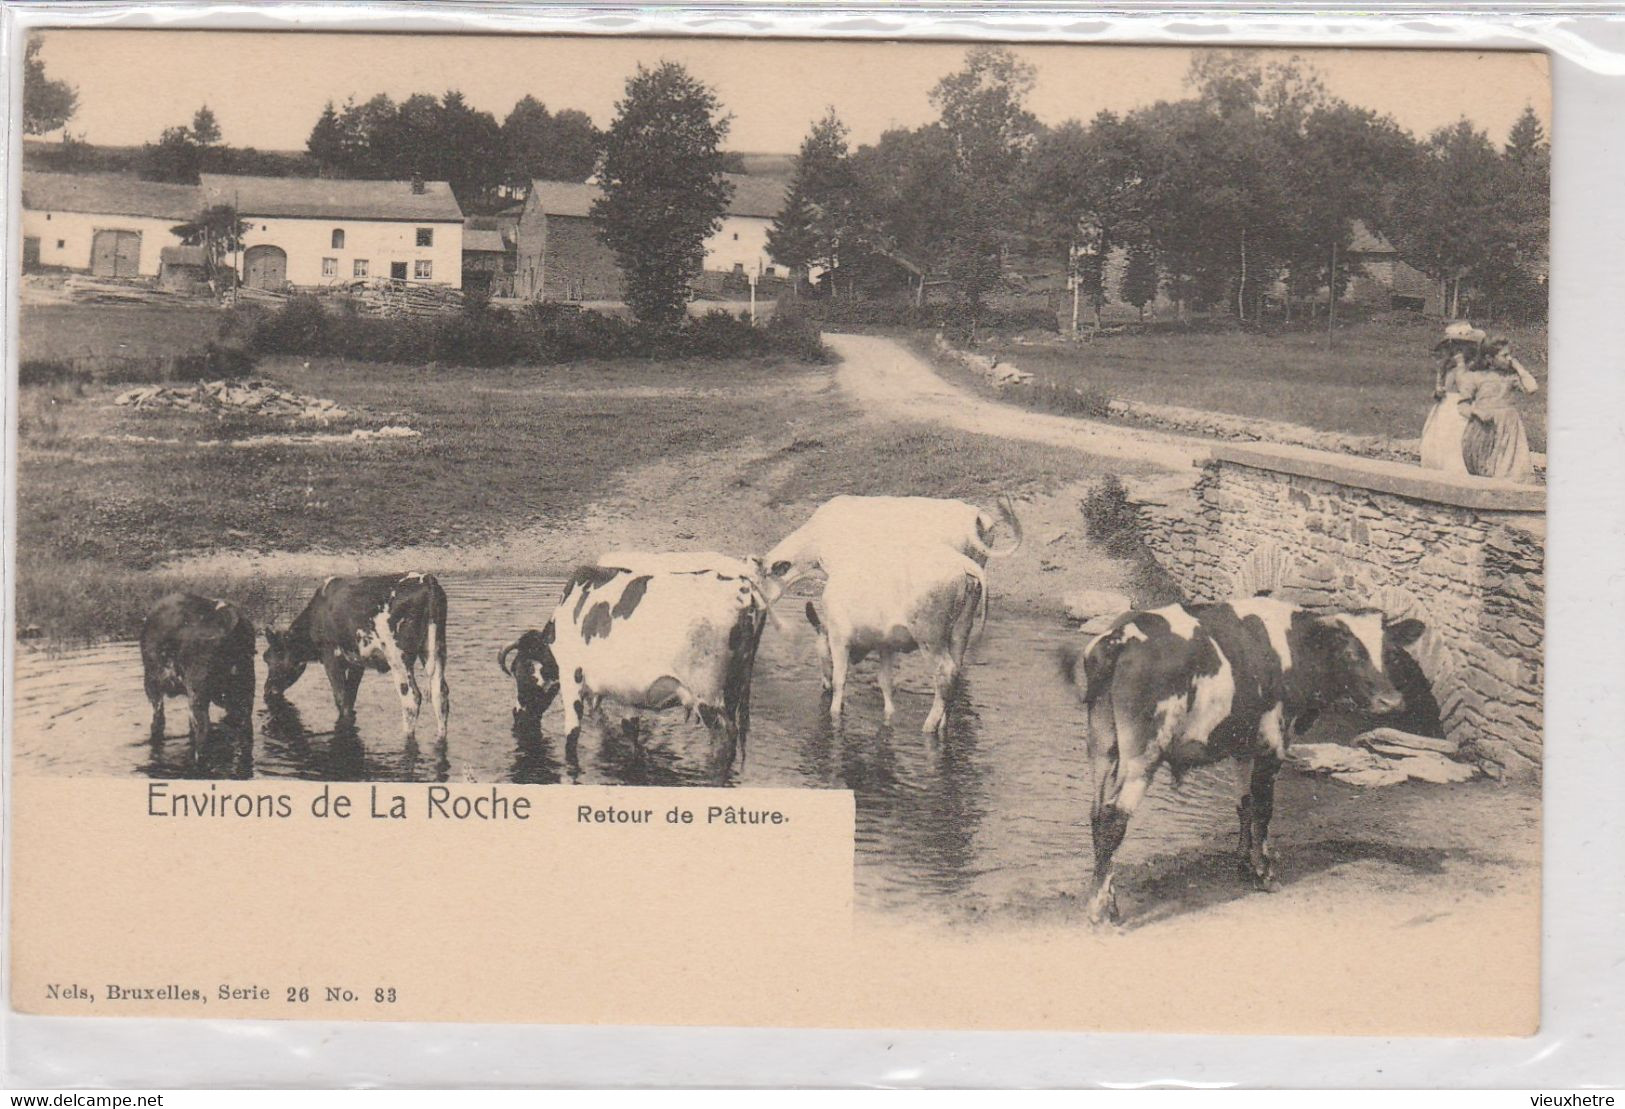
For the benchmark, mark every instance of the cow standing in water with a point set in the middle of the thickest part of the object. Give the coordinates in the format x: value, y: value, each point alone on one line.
x: 667, y: 630
x: 1188, y: 685
x: 388, y: 623
x: 202, y: 649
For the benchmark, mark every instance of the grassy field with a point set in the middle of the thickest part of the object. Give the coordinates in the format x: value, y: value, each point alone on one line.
x: 66, y: 331
x: 107, y: 494
x: 1376, y: 380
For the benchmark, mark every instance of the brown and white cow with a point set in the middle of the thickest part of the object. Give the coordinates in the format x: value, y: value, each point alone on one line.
x: 203, y: 649
x: 647, y: 638
x: 1188, y: 685
x: 893, y: 600
x: 389, y: 623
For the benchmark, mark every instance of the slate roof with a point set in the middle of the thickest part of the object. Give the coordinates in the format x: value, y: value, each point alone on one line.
x: 761, y: 197
x: 331, y: 198
x: 109, y: 194
x: 479, y: 239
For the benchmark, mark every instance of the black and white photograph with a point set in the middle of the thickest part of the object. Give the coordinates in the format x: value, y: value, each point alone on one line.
x: 1122, y: 468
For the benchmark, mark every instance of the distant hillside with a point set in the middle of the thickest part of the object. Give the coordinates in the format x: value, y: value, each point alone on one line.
x: 759, y: 164
x: 84, y: 157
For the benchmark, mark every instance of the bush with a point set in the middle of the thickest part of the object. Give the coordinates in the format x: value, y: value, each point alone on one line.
x: 213, y: 363
x: 38, y: 371
x: 540, y: 334
x: 1111, y: 518
x: 1056, y: 395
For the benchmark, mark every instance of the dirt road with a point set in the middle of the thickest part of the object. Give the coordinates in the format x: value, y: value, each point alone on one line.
x: 891, y: 382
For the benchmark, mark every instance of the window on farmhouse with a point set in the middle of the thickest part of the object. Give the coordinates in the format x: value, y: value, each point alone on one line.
x: 360, y: 267
x: 423, y: 269
x: 397, y: 271
x: 338, y: 238
x: 330, y: 267
x: 61, y: 243
x: 425, y: 236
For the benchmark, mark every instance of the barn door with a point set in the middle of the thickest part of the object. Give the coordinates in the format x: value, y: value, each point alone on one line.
x: 116, y: 254
x: 265, y: 267
x: 30, y: 253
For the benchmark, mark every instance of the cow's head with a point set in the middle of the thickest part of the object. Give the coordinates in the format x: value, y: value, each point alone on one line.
x: 535, y: 670
x: 1347, y: 655
x: 283, y: 664
x: 771, y: 578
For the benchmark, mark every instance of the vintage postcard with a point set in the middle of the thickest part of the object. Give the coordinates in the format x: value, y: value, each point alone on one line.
x: 779, y: 532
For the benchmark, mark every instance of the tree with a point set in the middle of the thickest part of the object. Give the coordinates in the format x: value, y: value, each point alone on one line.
x: 663, y: 189
x: 1087, y: 188
x: 553, y: 147
x: 219, y: 231
x: 47, y: 104
x: 327, y: 142
x: 176, y: 157
x: 1526, y: 143
x: 819, y: 217
x: 990, y: 131
x: 792, y: 240
x: 1139, y: 286
x: 205, y: 128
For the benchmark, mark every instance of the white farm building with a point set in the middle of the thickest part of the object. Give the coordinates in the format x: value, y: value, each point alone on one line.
x: 315, y: 231
x: 101, y: 223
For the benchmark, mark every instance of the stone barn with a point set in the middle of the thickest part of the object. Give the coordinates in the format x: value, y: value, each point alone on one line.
x: 558, y: 255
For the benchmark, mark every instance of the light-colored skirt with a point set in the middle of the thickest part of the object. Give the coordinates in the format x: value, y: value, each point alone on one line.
x: 1442, y: 436
x: 1495, y: 445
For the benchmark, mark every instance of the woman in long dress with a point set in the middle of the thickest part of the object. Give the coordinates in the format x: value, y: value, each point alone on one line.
x: 1446, y: 423
x: 1494, y: 443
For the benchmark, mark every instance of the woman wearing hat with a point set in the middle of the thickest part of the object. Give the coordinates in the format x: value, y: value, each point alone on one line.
x: 1494, y: 443
x: 1447, y: 423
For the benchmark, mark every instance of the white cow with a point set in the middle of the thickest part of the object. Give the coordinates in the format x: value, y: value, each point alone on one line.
x: 893, y: 600
x: 648, y: 638
x: 848, y: 521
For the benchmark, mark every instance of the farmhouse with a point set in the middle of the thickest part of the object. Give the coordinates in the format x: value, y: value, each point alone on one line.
x: 107, y: 224
x: 559, y: 256
x: 740, y: 246
x: 310, y: 231
x: 1380, y: 278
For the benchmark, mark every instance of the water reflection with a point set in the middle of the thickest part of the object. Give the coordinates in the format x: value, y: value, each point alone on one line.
x: 994, y: 812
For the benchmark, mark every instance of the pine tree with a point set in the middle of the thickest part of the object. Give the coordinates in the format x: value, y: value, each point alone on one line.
x: 792, y: 241
x: 326, y: 143
x: 1527, y: 140
x: 205, y: 128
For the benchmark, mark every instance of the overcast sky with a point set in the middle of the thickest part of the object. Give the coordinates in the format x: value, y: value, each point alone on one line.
x: 268, y: 88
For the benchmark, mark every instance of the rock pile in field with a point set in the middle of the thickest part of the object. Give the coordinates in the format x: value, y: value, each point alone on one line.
x: 250, y: 396
x: 999, y: 373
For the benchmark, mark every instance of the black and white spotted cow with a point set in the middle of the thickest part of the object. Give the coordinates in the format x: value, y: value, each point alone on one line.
x: 202, y: 649
x: 1188, y: 685
x: 648, y: 638
x: 389, y: 623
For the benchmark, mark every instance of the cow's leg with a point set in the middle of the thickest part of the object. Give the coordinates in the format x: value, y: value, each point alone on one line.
x: 570, y: 700
x: 886, y: 658
x: 434, y: 674
x: 951, y: 656
x: 239, y: 694
x: 1261, y: 803
x: 197, y: 701
x: 837, y: 676
x: 405, y: 678
x: 1120, y: 786
x: 345, y: 680
x: 1244, y: 816
x: 155, y: 696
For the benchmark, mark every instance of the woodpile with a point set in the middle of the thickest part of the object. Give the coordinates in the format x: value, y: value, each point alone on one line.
x: 84, y: 289
x: 251, y: 396
x: 397, y: 299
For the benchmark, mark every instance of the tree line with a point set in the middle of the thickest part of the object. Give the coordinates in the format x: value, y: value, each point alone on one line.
x: 1251, y: 183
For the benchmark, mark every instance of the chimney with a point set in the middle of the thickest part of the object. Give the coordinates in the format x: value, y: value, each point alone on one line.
x: 418, y: 187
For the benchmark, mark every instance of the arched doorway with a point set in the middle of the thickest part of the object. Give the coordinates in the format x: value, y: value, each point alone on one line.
x: 265, y: 267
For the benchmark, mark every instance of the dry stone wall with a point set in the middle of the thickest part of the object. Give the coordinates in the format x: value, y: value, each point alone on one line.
x: 1465, y: 555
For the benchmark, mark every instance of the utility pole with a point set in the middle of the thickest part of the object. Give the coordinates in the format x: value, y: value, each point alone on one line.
x: 1331, y: 299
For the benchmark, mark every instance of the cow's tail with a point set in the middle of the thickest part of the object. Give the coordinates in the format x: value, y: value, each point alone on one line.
x: 976, y: 594
x: 812, y: 617
x: 434, y: 642
x: 503, y: 655
x: 984, y: 532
